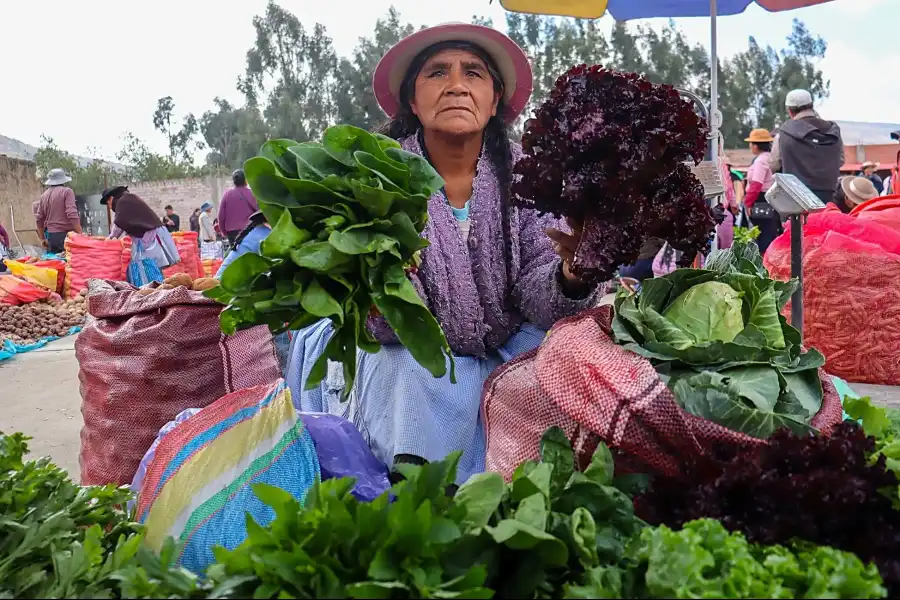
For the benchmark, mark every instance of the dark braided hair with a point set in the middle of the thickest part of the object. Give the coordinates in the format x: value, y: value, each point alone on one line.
x: 256, y: 219
x: 496, y: 133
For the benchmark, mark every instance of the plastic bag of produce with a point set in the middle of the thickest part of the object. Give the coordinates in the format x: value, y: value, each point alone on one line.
x: 200, y: 485
x: 42, y: 276
x: 92, y: 257
x: 851, y: 294
x: 145, y: 358
x: 15, y: 291
x: 596, y: 389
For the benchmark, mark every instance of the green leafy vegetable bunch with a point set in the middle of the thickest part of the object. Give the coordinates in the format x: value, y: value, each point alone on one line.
x: 347, y: 215
x: 719, y: 341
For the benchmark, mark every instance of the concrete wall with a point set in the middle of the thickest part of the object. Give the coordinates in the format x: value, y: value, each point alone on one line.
x: 183, y: 194
x: 19, y: 188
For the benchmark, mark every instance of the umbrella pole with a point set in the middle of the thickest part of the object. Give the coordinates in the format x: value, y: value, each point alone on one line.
x: 714, y: 118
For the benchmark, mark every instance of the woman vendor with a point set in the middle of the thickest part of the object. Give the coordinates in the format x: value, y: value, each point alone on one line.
x: 496, y: 277
x: 759, y: 180
x: 132, y: 216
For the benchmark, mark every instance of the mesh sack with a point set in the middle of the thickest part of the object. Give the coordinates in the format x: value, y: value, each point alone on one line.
x: 92, y: 257
x: 582, y: 381
x: 144, y: 359
x: 851, y: 294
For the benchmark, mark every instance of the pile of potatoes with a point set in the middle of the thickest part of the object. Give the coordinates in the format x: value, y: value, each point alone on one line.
x: 31, y: 322
x: 180, y: 280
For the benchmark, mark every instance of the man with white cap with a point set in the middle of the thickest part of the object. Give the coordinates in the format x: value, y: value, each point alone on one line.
x: 56, y: 214
x: 808, y: 147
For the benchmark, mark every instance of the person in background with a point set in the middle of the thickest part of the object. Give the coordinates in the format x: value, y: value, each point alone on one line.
x: 808, y: 147
x: 218, y: 229
x: 236, y: 207
x: 207, y: 228
x: 172, y: 221
x: 4, y: 247
x: 759, y: 180
x: 56, y: 213
x: 133, y: 217
x: 496, y: 277
x: 856, y: 190
x: 194, y: 220
x: 868, y: 171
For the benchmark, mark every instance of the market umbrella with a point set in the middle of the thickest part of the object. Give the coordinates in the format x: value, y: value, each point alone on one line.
x: 624, y: 10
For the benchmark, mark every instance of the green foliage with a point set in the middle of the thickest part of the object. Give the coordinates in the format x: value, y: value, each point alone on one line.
x: 181, y: 140
x: 552, y: 532
x: 756, y: 381
x: 89, y: 179
x: 347, y: 215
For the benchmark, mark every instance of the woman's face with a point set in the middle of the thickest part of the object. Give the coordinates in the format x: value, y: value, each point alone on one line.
x: 454, y: 93
x: 754, y: 148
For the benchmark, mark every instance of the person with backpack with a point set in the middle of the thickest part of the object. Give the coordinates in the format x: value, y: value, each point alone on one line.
x: 236, y: 207
x: 808, y: 147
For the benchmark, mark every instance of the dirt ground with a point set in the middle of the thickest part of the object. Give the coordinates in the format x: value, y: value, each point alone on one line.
x: 39, y: 396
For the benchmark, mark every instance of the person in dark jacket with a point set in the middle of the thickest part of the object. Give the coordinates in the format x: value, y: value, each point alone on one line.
x: 869, y: 169
x: 194, y: 220
x: 808, y: 147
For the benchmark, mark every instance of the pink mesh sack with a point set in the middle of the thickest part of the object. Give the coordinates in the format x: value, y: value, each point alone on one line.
x: 144, y: 359
x: 594, y: 389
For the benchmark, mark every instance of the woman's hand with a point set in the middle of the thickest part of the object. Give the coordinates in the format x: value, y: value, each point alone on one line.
x: 565, y: 245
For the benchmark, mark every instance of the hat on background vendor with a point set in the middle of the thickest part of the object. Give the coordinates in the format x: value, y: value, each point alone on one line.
x: 112, y: 194
x: 857, y: 190
x: 868, y: 170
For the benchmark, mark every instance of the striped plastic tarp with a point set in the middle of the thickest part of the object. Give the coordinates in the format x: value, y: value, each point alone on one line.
x: 197, y: 488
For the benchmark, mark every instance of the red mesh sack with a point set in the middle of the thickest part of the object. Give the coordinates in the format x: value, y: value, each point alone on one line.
x: 851, y: 294
x: 211, y: 266
x: 144, y: 359
x: 91, y: 257
x: 582, y: 381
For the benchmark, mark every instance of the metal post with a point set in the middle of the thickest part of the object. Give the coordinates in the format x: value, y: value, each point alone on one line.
x: 714, y: 82
x: 797, y: 271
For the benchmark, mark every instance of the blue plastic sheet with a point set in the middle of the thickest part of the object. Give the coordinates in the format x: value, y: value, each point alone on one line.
x: 9, y: 349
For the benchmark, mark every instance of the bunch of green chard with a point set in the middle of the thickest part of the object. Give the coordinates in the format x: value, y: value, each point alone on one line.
x: 718, y: 339
x: 347, y: 215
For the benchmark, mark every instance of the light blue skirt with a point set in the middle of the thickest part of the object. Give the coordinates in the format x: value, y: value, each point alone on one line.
x: 397, y: 405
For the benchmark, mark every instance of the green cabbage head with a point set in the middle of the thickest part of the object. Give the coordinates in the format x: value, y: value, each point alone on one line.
x: 708, y: 311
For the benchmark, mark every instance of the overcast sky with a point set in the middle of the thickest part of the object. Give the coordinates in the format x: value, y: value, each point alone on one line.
x: 86, y: 71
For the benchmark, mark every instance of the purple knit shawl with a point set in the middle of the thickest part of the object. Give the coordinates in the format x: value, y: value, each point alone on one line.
x: 465, y: 283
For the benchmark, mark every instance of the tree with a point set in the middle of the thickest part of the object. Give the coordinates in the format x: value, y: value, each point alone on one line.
x: 180, y: 139
x: 232, y: 134
x: 355, y: 102
x: 291, y: 75
x: 145, y: 165
x: 88, y: 179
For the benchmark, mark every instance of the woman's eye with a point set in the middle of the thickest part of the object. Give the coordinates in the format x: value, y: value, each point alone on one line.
x: 437, y: 73
x: 473, y: 74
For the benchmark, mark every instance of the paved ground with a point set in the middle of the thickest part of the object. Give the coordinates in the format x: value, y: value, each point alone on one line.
x: 39, y: 396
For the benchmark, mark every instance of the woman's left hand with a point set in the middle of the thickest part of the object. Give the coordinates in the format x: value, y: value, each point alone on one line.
x: 565, y: 245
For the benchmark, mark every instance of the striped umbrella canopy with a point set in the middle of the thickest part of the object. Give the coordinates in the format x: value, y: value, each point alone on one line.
x: 624, y: 10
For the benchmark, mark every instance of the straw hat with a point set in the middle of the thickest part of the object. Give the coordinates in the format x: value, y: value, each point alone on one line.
x: 760, y: 136
x: 870, y: 163
x: 858, y: 189
x: 510, y: 59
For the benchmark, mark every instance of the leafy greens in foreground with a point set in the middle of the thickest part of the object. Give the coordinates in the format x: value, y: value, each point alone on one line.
x: 347, y: 216
x: 552, y: 532
x: 718, y: 340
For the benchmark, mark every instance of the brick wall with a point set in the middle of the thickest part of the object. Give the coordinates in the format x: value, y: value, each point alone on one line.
x: 183, y: 194
x: 19, y: 188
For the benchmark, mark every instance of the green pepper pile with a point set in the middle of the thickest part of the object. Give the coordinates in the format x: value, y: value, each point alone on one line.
x: 347, y: 214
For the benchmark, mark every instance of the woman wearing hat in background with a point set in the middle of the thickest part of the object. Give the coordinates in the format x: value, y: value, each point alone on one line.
x: 869, y: 170
x: 496, y: 277
x: 207, y: 227
x: 759, y: 180
x: 149, y: 237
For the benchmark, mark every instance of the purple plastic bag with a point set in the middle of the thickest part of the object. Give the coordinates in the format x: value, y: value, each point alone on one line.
x: 344, y: 453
